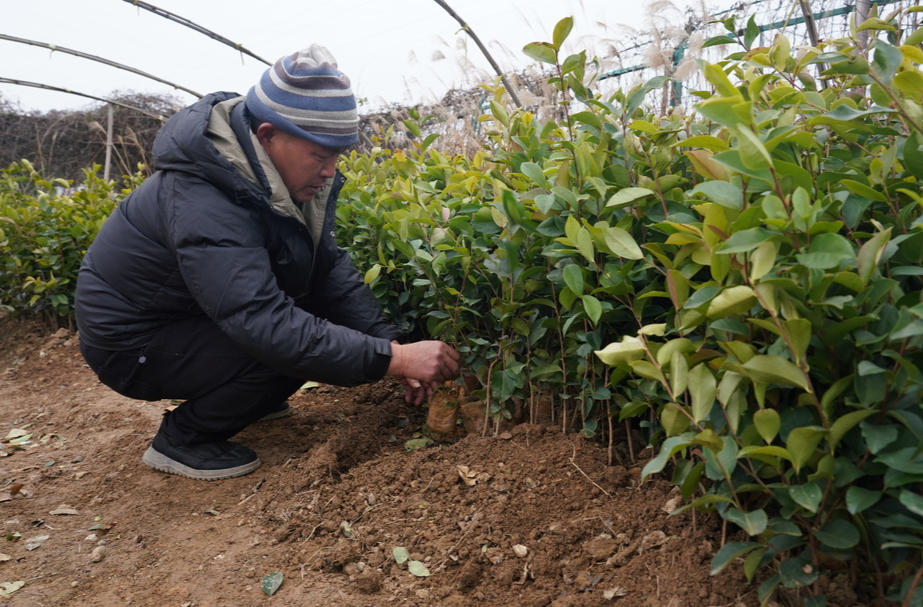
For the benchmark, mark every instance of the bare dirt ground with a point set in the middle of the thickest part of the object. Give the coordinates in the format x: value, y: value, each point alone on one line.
x: 541, y: 520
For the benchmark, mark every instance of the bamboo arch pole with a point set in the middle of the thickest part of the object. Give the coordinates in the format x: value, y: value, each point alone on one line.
x: 97, y: 59
x: 196, y: 27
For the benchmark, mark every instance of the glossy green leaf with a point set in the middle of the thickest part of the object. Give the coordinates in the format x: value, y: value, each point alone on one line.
x: 860, y: 499
x: 573, y: 278
x: 726, y: 194
x: 593, y: 308
x: 753, y: 522
x: 622, y: 352
x: 808, y: 496
x: 628, y: 195
x: 775, y: 369
x: 839, y: 534
x: 673, y: 419
x: 845, y: 423
x: 729, y: 553
x: 541, y: 51
x: 702, y: 389
x: 733, y: 300
x: 767, y: 422
x: 534, y: 172
x: 747, y: 240
x: 621, y: 243
x: 753, y: 152
x: 886, y: 60
x: 802, y: 443
x: 562, y: 30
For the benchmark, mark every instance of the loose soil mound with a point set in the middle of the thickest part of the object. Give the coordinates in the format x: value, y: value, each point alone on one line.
x: 531, y: 517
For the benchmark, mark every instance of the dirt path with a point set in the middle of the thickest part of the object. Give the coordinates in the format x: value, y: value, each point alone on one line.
x: 541, y: 520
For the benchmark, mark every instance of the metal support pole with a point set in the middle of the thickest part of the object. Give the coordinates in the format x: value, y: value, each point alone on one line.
x: 862, y: 14
x: 108, y: 146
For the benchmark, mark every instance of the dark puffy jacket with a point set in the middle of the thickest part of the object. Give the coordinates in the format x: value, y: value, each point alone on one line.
x: 200, y: 238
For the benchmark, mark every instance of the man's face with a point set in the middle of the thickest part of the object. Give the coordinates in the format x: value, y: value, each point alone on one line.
x: 303, y: 165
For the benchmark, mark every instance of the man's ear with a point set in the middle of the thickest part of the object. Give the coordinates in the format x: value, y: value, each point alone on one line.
x: 265, y: 132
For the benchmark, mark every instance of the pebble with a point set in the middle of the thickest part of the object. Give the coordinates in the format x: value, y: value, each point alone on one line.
x: 91, y: 538
x: 77, y: 459
x: 98, y: 554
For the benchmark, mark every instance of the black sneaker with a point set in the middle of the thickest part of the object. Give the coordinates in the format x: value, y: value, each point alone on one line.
x: 203, y: 461
x: 284, y: 410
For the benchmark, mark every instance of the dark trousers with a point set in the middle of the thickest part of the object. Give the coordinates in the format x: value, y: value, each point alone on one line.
x: 224, y: 388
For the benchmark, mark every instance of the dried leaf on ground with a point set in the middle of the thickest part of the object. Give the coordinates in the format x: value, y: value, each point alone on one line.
x: 10, y: 587
x: 64, y: 510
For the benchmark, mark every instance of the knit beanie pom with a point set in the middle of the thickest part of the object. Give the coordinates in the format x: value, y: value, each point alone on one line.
x: 305, y: 95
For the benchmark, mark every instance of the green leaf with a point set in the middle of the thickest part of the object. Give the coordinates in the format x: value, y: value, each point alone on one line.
x: 561, y: 30
x: 719, y: 40
x: 708, y: 142
x: 753, y: 522
x: 621, y: 243
x: 859, y: 499
x: 886, y: 60
x: 870, y: 254
x: 912, y: 501
x: 585, y: 244
x: 753, y: 152
x: 400, y: 554
x: 845, y: 423
x: 838, y: 534
x: 417, y: 443
x: 797, y: 573
x: 802, y: 443
x: 747, y: 240
x: 733, y: 300
x: 752, y: 32
x: 863, y: 190
x: 271, y: 582
x: 417, y: 568
x: 827, y: 252
x: 726, y: 194
x: 668, y: 449
x: 769, y: 368
x: 534, y: 172
x: 628, y: 195
x: 593, y: 307
x: 372, y: 274
x: 573, y: 278
x: 541, y: 51
x: 767, y: 422
x: 673, y: 419
x: 913, y: 153
x: 729, y: 553
x: 845, y: 113
x: 807, y: 496
x: 622, y: 352
x: 702, y: 388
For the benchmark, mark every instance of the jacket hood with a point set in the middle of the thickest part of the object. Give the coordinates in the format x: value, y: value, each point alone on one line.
x: 183, y: 144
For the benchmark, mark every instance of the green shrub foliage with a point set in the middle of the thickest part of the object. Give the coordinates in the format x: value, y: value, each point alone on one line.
x: 45, y: 229
x: 745, y: 283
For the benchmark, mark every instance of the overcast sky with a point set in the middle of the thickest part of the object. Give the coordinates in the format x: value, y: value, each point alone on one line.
x: 393, y: 50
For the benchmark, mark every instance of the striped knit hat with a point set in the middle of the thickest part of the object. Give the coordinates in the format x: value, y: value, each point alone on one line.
x: 305, y: 95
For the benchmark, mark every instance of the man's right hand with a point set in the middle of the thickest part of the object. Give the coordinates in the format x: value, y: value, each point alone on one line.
x: 427, y: 361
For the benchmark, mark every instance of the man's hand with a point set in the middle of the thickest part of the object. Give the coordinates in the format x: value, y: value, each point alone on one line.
x: 416, y: 391
x: 422, y: 366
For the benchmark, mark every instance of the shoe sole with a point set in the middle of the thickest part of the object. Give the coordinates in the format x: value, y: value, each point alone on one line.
x: 286, y: 412
x: 159, y: 461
